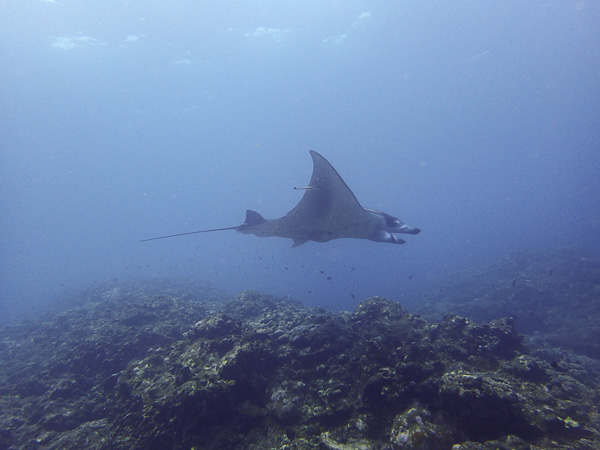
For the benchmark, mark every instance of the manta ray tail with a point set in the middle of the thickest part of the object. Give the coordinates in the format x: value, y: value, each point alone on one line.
x: 253, y: 219
x: 191, y: 232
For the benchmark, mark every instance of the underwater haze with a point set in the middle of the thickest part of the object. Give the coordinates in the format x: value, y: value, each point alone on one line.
x: 478, y: 122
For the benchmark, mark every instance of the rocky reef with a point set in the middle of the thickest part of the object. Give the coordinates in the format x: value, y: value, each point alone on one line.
x: 133, y: 368
x: 553, y: 297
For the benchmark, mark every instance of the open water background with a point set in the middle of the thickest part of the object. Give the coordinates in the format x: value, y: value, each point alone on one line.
x: 478, y: 122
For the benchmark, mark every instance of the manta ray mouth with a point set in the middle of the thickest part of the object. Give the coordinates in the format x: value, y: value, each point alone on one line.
x: 386, y: 236
x: 396, y: 239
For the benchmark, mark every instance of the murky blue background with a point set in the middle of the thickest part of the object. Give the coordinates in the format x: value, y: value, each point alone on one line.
x: 478, y: 122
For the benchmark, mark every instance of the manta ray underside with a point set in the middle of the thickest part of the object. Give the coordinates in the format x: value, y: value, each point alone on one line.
x: 328, y: 210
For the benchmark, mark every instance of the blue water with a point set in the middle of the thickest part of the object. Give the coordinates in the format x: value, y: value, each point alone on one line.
x: 478, y: 122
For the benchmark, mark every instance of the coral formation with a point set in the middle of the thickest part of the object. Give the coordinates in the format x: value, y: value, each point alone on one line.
x: 140, y: 369
x: 553, y: 297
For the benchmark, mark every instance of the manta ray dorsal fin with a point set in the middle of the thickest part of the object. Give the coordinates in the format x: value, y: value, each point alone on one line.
x: 253, y: 219
x: 328, y: 208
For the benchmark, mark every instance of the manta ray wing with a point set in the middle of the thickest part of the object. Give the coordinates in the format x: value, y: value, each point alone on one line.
x: 328, y: 209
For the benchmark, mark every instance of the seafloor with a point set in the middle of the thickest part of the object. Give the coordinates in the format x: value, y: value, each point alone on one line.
x: 134, y: 366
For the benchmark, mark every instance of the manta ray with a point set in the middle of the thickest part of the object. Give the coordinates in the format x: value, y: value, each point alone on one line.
x: 328, y: 210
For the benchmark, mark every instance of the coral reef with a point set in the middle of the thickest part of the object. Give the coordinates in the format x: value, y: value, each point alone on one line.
x: 554, y: 299
x: 138, y: 369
